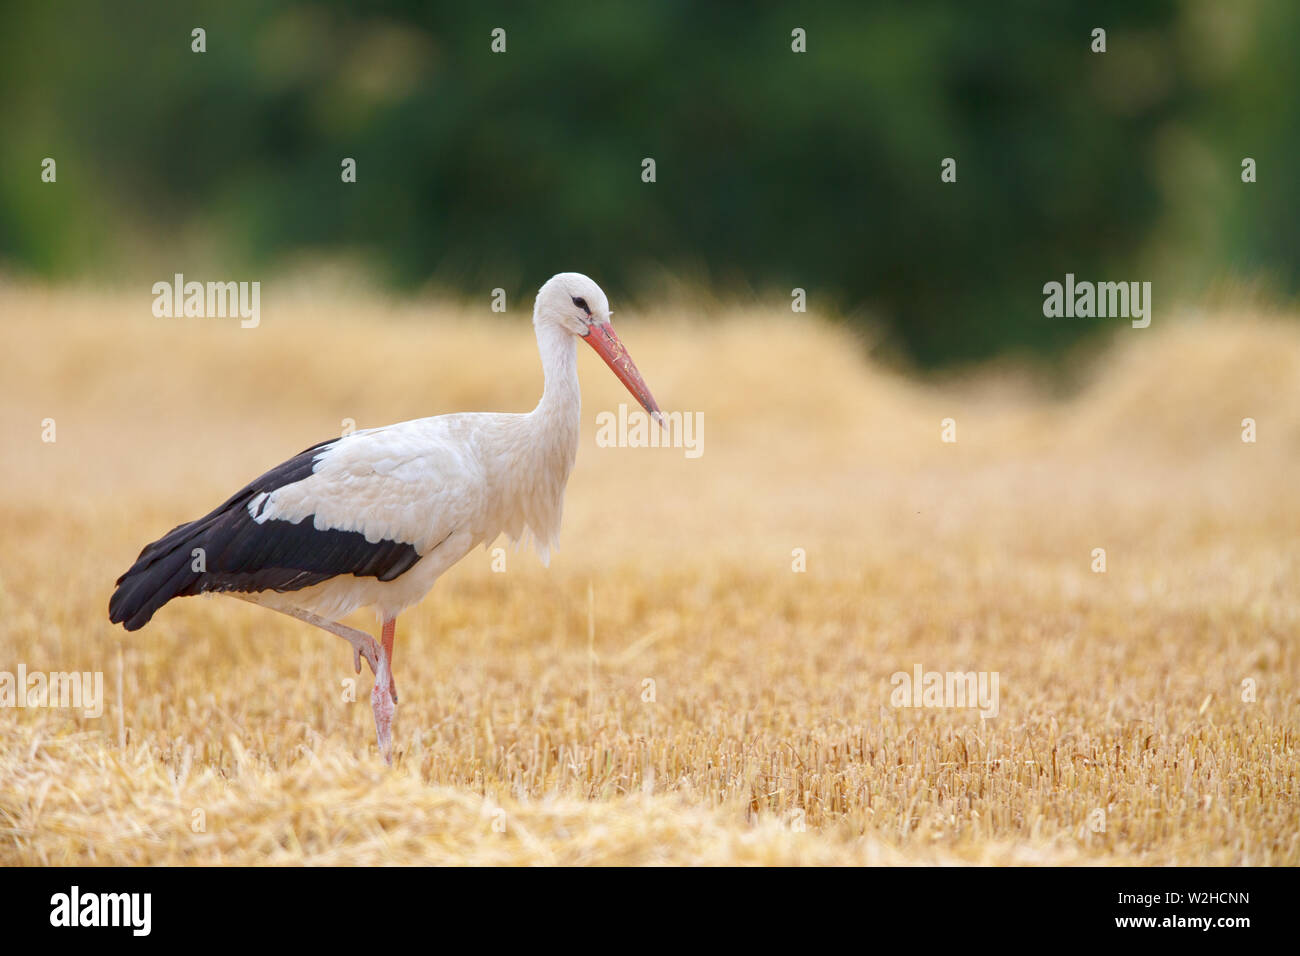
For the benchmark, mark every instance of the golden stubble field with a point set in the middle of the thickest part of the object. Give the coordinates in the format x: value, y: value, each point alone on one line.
x: 527, y: 731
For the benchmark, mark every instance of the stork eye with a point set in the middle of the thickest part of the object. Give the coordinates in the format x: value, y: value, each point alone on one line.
x: 582, y: 304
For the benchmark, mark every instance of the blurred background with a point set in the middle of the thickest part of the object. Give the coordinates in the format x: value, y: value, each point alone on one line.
x: 774, y: 170
x: 828, y: 537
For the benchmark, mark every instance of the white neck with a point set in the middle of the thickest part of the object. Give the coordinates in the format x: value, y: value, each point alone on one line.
x: 561, y: 400
x: 548, y: 442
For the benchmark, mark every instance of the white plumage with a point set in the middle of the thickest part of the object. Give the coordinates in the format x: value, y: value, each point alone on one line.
x: 374, y: 518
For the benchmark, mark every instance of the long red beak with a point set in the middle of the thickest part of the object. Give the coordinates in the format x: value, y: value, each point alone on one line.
x: 601, y: 337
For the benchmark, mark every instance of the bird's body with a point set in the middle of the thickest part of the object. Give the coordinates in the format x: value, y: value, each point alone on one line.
x: 372, y: 519
x: 441, y: 485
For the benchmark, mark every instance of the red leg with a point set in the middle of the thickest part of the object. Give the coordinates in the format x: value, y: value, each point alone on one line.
x: 383, y: 696
x: 390, y: 631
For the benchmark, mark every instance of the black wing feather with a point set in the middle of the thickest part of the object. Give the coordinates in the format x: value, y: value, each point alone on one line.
x: 243, y: 555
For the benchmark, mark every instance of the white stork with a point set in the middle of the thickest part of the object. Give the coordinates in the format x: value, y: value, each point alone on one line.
x: 373, y: 518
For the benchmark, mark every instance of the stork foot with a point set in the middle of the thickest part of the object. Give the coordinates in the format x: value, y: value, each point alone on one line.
x: 368, y: 649
x: 363, y: 645
x: 384, y: 704
x: 383, y: 698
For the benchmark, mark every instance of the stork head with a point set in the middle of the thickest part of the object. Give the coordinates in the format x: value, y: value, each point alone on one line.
x: 577, y: 305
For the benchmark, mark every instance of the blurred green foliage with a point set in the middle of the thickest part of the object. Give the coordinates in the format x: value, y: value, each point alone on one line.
x: 775, y: 169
